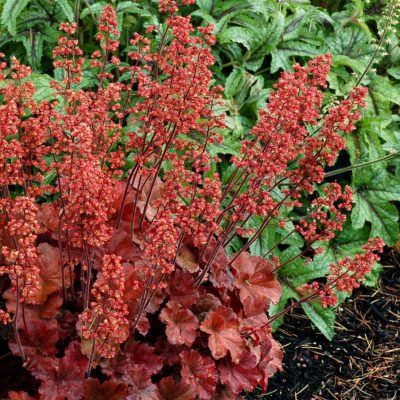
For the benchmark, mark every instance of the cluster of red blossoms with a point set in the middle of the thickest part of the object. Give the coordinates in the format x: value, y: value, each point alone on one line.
x: 118, y: 281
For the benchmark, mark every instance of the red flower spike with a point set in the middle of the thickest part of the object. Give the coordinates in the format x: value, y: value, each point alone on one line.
x: 170, y: 390
x: 94, y: 390
x: 200, y: 373
x: 257, y: 283
x: 242, y: 376
x: 181, y: 324
x: 106, y: 320
x: 223, y: 327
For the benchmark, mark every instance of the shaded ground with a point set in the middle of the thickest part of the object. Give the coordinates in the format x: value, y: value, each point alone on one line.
x: 362, y: 361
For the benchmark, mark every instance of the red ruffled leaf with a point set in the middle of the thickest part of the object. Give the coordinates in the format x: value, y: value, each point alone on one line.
x: 94, y: 390
x: 168, y: 352
x: 141, y: 387
x: 181, y: 324
x: 51, y: 307
x: 31, y: 312
x: 270, y: 362
x: 5, y: 237
x: 134, y: 354
x: 242, y: 376
x: 66, y: 377
x: 50, y: 271
x: 221, y: 276
x: 142, y: 354
x: 200, y: 373
x: 257, y: 283
x: 223, y: 327
x: 207, y: 302
x: 180, y: 288
x: 144, y: 181
x: 187, y: 260
x: 40, y: 339
x: 133, y: 288
x: 261, y: 338
x: 225, y: 393
x: 170, y: 390
x: 121, y: 245
x: 19, y: 396
x: 47, y: 216
x: 66, y: 324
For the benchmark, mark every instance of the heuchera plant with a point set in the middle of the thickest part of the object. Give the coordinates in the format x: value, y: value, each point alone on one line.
x: 119, y: 286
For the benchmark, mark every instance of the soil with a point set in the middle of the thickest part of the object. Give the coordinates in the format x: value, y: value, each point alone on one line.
x: 363, y: 359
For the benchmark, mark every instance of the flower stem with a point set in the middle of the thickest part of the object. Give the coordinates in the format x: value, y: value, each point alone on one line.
x: 364, y: 164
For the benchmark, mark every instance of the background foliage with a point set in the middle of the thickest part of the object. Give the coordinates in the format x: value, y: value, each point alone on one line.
x: 257, y: 39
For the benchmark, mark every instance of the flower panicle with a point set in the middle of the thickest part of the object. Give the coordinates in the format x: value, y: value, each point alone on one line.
x: 105, y: 320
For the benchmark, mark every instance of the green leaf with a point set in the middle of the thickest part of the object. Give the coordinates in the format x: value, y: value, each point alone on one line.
x: 235, y: 82
x: 270, y: 38
x: 382, y: 215
x: 131, y: 8
x: 293, y: 24
x: 42, y: 85
x: 11, y: 10
x: 395, y: 72
x: 374, y: 190
x: 50, y: 177
x: 281, y: 57
x: 343, y: 60
x: 96, y: 9
x: 384, y: 90
x: 66, y: 9
x: 371, y: 279
x: 347, y: 243
x: 323, y: 318
x: 350, y: 40
x: 34, y: 48
x: 287, y: 294
x: 237, y: 34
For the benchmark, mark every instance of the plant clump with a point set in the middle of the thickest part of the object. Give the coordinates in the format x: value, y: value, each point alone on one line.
x: 120, y: 284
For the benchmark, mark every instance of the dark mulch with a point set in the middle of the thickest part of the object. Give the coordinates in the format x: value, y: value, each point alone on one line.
x: 362, y: 361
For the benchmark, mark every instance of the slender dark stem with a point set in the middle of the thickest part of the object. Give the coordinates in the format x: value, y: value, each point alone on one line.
x: 89, y: 370
x: 378, y: 47
x: 364, y: 164
x: 15, y: 320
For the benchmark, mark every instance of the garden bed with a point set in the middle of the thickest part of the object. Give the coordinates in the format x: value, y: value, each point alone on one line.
x: 365, y: 367
x: 362, y: 361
